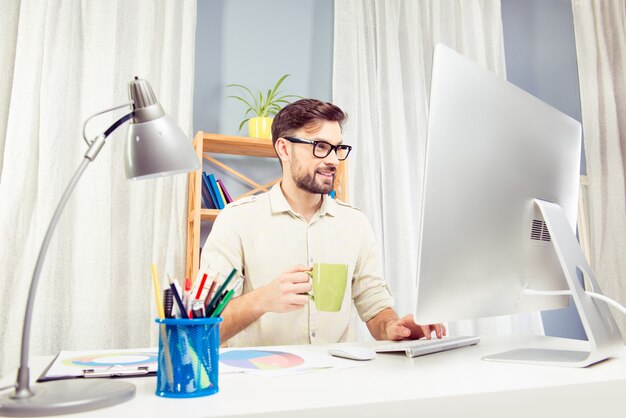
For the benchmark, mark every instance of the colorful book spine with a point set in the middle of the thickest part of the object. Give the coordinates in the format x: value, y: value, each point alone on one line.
x: 224, y: 191
x: 219, y: 189
x: 207, y: 184
x: 216, y: 192
x: 206, y: 198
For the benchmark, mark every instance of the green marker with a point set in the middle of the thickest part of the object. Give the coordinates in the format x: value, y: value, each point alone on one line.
x: 218, y: 293
x: 223, y: 304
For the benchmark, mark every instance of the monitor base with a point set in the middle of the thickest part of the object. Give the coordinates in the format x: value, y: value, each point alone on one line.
x: 545, y: 357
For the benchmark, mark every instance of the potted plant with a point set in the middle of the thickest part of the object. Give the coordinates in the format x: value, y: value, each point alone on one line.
x: 261, y: 108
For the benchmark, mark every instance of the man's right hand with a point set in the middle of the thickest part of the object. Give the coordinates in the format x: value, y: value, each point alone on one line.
x: 286, y: 293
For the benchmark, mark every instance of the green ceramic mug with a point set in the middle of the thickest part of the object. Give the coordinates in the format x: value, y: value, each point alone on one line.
x: 329, y: 285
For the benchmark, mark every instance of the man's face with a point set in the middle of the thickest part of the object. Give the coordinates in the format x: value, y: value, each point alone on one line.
x: 310, y: 173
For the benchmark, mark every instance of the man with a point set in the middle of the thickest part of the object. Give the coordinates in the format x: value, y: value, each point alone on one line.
x: 273, y: 238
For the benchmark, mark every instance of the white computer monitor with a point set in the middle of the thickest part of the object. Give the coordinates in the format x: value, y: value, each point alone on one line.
x: 499, y: 209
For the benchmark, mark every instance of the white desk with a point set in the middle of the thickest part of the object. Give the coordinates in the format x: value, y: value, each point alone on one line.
x: 451, y: 384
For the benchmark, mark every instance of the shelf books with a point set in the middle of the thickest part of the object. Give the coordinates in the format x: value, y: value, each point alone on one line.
x: 208, y: 201
x: 214, y: 193
x: 208, y: 191
x: 224, y: 191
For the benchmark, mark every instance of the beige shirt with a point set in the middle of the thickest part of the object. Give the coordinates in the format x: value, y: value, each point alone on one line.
x: 261, y: 237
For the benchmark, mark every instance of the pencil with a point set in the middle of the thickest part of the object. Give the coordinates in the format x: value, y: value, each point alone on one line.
x: 157, y: 291
x: 201, y: 286
x: 207, y: 300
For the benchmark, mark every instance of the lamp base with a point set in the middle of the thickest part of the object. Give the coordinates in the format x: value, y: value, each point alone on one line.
x: 66, y: 397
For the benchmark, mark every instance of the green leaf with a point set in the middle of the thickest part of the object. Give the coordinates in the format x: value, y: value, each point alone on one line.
x: 287, y: 96
x: 261, y: 108
x: 254, y: 106
x: 260, y: 105
x: 275, y: 90
x: 241, y: 99
x: 275, y: 108
x: 243, y: 122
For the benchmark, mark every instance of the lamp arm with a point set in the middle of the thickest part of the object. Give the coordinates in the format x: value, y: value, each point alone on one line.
x: 22, y: 389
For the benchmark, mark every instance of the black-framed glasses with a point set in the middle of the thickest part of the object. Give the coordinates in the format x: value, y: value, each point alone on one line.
x: 321, y: 149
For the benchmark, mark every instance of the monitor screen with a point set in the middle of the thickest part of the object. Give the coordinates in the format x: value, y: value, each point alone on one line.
x: 491, y: 150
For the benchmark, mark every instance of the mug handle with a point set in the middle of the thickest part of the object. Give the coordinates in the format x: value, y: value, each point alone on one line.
x: 312, y: 297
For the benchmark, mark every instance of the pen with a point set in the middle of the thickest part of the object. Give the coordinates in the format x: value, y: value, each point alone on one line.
x: 217, y: 303
x: 218, y: 294
x: 177, y: 313
x: 222, y: 305
x: 179, y: 302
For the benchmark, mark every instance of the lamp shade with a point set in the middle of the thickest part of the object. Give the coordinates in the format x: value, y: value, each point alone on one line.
x: 155, y: 145
x: 157, y: 148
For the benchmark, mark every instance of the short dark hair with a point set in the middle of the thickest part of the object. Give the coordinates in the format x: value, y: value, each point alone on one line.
x: 304, y: 113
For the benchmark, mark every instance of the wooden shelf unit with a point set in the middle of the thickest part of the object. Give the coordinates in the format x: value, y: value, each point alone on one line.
x: 207, y: 143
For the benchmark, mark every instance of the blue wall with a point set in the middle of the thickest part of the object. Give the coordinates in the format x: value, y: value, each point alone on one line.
x: 254, y: 43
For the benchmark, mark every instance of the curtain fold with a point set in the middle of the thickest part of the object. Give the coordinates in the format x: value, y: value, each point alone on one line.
x: 95, y: 289
x: 382, y: 64
x: 600, y: 32
x: 8, y: 38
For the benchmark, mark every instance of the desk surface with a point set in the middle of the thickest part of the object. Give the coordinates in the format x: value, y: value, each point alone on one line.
x: 454, y: 383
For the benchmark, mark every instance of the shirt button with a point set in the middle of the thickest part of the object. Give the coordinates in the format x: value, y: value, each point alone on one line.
x: 313, y: 334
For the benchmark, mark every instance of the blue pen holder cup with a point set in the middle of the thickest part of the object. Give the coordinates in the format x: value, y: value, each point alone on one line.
x: 188, y: 357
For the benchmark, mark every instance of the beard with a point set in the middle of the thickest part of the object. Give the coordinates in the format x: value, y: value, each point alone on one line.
x: 310, y: 183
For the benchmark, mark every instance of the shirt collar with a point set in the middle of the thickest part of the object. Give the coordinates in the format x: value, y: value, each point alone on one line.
x: 279, y: 203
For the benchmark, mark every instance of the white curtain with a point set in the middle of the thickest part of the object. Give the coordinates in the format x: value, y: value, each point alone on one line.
x: 600, y: 31
x: 71, y: 59
x: 382, y: 64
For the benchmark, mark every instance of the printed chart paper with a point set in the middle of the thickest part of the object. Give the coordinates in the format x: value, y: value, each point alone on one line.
x: 277, y: 361
x: 70, y: 364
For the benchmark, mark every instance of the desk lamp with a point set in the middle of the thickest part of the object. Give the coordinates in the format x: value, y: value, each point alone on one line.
x: 155, y: 146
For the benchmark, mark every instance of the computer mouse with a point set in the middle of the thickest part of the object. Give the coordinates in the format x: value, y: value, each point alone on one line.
x: 353, y: 352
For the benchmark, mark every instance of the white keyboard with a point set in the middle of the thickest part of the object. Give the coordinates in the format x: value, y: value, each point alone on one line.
x: 414, y: 348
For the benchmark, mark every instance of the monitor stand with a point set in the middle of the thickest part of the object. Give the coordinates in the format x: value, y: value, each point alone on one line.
x: 603, y: 335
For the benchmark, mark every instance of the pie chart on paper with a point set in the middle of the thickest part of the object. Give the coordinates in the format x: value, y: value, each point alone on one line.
x: 260, y: 359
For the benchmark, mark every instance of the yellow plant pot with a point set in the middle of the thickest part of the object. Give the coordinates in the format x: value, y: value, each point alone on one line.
x: 260, y: 128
